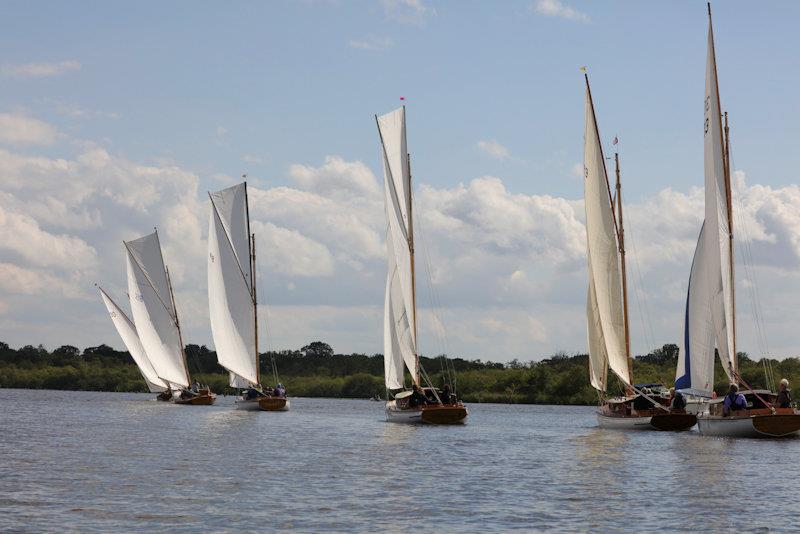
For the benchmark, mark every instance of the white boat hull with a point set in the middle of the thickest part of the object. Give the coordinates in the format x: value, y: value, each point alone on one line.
x: 624, y: 423
x: 395, y: 415
x: 739, y: 427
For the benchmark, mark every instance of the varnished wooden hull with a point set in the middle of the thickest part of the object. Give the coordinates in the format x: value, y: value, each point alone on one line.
x: 273, y: 404
x: 432, y: 414
x: 779, y: 425
x: 205, y: 399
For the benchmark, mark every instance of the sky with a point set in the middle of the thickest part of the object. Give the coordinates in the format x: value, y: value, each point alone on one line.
x: 118, y: 117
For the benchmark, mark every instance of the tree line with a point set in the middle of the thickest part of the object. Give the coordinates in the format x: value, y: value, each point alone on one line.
x: 315, y: 370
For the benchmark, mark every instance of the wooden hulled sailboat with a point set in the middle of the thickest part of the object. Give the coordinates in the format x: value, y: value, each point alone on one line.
x: 607, y: 301
x: 710, y: 302
x: 232, y: 298
x: 400, y: 306
x: 153, y: 307
x: 127, y: 331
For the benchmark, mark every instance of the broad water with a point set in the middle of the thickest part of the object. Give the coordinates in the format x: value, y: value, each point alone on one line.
x: 84, y: 461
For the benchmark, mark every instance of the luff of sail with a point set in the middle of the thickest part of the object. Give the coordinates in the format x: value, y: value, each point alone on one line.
x: 604, y: 310
x: 230, y: 294
x: 711, y: 281
x: 127, y: 331
x: 399, y: 342
x: 153, y: 312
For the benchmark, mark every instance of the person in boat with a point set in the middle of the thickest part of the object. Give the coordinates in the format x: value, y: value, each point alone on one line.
x: 417, y: 397
x: 734, y: 401
x: 677, y: 402
x: 784, y: 399
x: 196, y: 385
x: 279, y: 391
x: 251, y: 394
x: 447, y: 396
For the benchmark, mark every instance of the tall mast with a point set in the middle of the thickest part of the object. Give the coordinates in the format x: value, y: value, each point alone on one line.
x: 724, y: 142
x: 252, y: 245
x: 411, y: 258
x: 621, y: 234
x: 177, y: 322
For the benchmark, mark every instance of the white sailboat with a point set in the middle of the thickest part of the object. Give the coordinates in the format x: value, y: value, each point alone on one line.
x: 400, y: 306
x: 232, y: 298
x: 156, y: 319
x: 710, y: 303
x: 127, y: 331
x: 607, y: 301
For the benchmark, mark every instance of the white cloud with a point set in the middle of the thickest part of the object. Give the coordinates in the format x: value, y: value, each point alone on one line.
x: 252, y: 159
x: 372, y: 42
x: 554, y: 8
x: 39, y: 69
x: 414, y: 12
x: 221, y: 131
x: 18, y: 129
x: 494, y: 149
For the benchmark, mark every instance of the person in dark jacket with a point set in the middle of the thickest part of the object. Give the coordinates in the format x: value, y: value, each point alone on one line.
x: 417, y: 397
x: 734, y: 401
x: 446, y: 395
x: 784, y: 399
x: 676, y: 400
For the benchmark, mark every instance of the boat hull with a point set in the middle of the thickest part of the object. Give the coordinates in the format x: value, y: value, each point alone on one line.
x: 669, y: 422
x: 751, y: 426
x: 248, y: 405
x: 432, y: 414
x: 204, y: 399
x: 273, y: 404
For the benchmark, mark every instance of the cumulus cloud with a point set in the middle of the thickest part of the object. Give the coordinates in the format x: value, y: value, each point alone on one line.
x: 39, y: 69
x: 17, y: 129
x: 414, y: 12
x: 554, y: 8
x: 494, y: 149
x: 372, y: 42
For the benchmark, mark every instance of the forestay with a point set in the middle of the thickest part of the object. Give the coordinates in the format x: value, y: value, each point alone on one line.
x: 153, y: 312
x: 710, y: 297
x: 127, y: 331
x: 230, y: 291
x: 400, y: 345
x: 604, y: 308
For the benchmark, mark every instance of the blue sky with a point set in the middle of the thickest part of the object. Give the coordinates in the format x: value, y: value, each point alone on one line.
x: 184, y: 97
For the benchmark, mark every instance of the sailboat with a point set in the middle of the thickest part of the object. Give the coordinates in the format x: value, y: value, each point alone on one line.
x: 607, y: 300
x: 232, y: 298
x: 156, y: 319
x: 127, y: 331
x: 400, y: 302
x: 711, y: 302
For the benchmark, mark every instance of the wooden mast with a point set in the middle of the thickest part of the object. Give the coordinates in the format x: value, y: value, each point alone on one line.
x: 621, y: 234
x: 252, y: 242
x: 724, y: 142
x: 177, y: 324
x: 411, y: 256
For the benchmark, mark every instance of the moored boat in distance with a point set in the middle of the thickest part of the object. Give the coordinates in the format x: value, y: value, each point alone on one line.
x: 156, y: 319
x: 710, y: 320
x: 233, y: 302
x: 421, y: 405
x: 607, y: 301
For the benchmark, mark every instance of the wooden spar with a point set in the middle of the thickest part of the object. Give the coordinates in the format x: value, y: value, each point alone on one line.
x: 252, y: 243
x: 177, y: 323
x: 621, y: 233
x: 411, y: 258
x: 729, y: 198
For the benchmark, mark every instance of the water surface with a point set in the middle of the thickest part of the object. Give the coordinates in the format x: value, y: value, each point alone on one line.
x: 85, y: 461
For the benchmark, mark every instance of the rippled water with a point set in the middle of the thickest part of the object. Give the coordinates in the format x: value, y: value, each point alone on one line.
x: 100, y: 461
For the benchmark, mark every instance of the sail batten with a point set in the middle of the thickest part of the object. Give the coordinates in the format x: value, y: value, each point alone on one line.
x: 130, y: 337
x: 153, y: 312
x: 604, y: 309
x: 230, y: 291
x: 400, y: 344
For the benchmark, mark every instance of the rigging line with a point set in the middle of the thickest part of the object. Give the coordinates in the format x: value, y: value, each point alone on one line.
x: 230, y: 244
x: 644, y: 308
x: 266, y: 320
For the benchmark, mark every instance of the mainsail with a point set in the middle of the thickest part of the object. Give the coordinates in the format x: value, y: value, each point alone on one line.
x: 604, y: 308
x: 399, y: 340
x: 127, y: 331
x: 710, y: 297
x: 230, y: 285
x: 154, y: 311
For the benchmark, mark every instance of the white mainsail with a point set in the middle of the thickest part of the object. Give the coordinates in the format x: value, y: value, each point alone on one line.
x: 230, y: 290
x: 127, y: 331
x: 153, y: 310
x: 604, y: 309
x: 399, y: 342
x: 710, y: 297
